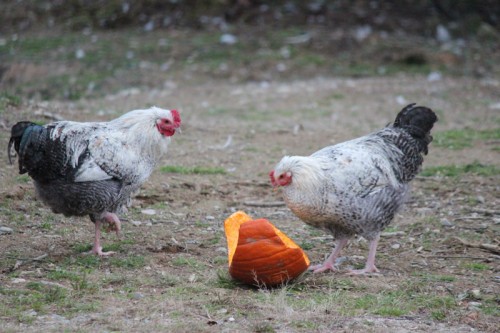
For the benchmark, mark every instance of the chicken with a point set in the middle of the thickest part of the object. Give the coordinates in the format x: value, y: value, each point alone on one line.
x: 93, y: 168
x: 356, y: 187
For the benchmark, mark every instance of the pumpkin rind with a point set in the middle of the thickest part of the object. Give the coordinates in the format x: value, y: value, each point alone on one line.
x: 262, y: 254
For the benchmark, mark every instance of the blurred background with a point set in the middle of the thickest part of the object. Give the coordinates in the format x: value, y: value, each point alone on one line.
x: 71, y: 49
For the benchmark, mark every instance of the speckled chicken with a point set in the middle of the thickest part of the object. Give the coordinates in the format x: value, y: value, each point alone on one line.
x: 93, y: 168
x: 356, y: 187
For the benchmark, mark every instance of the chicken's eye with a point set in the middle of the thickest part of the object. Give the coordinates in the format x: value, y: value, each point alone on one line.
x: 280, y: 177
x: 166, y: 121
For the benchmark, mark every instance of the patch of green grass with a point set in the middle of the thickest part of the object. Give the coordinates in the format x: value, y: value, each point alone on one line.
x: 185, y: 261
x: 199, y: 224
x: 46, y: 225
x: 490, y: 306
x: 476, y: 266
x: 117, y: 246
x: 7, y: 100
x: 23, y: 179
x: 263, y: 327
x: 459, y: 170
x: 461, y: 138
x: 438, y: 315
x: 224, y: 280
x: 168, y: 280
x: 131, y: 262
x: 214, y: 240
x: 198, y: 170
x: 81, y: 248
x: 306, y: 246
x: 87, y: 261
x: 219, y: 260
x: 438, y: 278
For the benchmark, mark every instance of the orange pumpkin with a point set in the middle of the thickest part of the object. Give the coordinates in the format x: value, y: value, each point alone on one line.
x: 259, y: 253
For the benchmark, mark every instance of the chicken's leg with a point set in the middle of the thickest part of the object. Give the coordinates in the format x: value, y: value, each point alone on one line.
x: 370, y: 262
x: 330, y: 262
x: 113, y: 223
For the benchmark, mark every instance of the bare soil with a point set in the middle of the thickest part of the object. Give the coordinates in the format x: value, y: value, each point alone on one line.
x: 246, y: 128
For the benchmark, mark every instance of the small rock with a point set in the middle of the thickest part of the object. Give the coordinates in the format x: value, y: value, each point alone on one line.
x: 148, y: 211
x: 30, y: 313
x: 392, y: 233
x: 209, y: 217
x: 137, y: 295
x: 5, y: 230
x: 149, y: 26
x: 136, y: 223
x: 434, y: 76
x: 401, y: 100
x: 424, y: 211
x: 80, y: 54
x: 231, y: 319
x: 55, y: 318
x: 474, y: 305
x: 340, y: 260
x: 281, y: 67
x: 476, y: 293
x: 18, y: 280
x: 481, y: 199
x: 442, y: 34
x: 395, y: 246
x: 221, y: 249
x: 363, y: 32
x: 222, y: 311
x: 192, y: 277
x: 228, y: 39
x: 446, y: 223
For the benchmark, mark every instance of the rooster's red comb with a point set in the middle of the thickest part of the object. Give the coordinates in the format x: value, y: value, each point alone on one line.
x: 177, y: 116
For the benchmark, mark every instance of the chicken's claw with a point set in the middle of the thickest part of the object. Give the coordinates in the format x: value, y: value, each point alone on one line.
x: 322, y: 268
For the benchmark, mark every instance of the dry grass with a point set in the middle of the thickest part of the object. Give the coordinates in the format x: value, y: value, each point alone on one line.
x: 170, y: 272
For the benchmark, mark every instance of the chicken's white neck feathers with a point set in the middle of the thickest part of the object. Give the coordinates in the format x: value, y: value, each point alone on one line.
x: 127, y: 147
x: 307, y: 172
x: 140, y: 125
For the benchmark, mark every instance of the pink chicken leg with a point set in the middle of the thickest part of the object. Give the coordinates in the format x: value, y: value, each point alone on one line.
x: 114, y: 225
x: 370, y: 261
x: 330, y: 262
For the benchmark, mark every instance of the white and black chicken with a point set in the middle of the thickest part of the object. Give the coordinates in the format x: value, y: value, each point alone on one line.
x: 92, y: 168
x: 356, y: 187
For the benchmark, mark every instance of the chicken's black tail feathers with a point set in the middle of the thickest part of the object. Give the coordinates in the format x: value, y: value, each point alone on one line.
x: 16, y: 136
x: 418, y: 122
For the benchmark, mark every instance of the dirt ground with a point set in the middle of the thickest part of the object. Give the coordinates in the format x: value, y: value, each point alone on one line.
x: 170, y: 272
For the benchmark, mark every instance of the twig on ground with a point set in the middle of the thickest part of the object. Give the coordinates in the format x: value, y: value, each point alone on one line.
x: 485, y: 211
x: 20, y: 262
x: 264, y: 204
x: 49, y: 115
x: 488, y: 247
x: 454, y: 257
x: 250, y: 183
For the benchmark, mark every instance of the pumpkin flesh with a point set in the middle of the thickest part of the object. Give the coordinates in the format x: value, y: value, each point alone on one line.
x: 259, y: 253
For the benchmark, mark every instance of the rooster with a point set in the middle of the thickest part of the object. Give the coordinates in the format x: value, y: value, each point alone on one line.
x: 356, y: 187
x: 93, y: 168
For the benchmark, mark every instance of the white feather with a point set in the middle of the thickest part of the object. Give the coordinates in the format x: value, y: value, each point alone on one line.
x: 128, y: 147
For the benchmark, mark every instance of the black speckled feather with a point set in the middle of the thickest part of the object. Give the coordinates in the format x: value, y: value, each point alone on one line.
x: 90, y: 168
x: 356, y: 187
